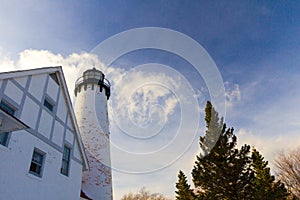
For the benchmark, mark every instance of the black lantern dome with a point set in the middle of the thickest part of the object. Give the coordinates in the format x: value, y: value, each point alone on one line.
x: 93, y: 77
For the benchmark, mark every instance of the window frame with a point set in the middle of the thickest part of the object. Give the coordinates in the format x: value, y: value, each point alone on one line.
x: 40, y: 165
x: 49, y: 104
x: 11, y: 110
x: 66, y: 161
x: 4, y: 139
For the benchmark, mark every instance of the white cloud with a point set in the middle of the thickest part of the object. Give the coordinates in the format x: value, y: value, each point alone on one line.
x: 156, y: 114
x: 232, y: 94
x: 6, y: 63
x: 138, y: 94
x: 38, y: 58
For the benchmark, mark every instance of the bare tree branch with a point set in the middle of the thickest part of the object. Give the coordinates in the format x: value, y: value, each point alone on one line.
x: 144, y: 194
x: 288, y: 170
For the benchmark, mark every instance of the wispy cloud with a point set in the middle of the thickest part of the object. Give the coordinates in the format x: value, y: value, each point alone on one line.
x: 232, y: 94
x: 143, y: 98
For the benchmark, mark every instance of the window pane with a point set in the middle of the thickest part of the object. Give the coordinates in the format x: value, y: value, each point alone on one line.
x: 35, y: 168
x: 38, y: 158
x: 7, y: 108
x: 3, y: 138
x: 65, y: 161
x: 36, y: 163
x: 38, y: 169
x: 48, y: 105
x: 64, y: 165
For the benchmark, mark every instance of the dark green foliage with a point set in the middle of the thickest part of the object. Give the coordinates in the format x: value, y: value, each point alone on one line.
x: 264, y: 183
x: 225, y: 172
x: 214, y: 127
x: 222, y: 171
x: 183, y: 188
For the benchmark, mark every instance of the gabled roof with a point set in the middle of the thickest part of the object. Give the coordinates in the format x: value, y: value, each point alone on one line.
x: 58, y: 70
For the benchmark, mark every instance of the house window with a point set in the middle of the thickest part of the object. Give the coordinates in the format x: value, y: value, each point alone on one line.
x: 4, y: 138
x: 37, y: 161
x: 65, y: 161
x: 54, y: 77
x: 7, y: 108
x: 48, y: 105
x: 10, y: 110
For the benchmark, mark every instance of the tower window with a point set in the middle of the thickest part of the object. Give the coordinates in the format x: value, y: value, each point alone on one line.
x: 37, y: 161
x: 10, y: 110
x: 48, y: 105
x: 65, y: 165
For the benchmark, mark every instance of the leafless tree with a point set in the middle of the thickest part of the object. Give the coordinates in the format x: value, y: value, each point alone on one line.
x: 144, y: 194
x: 287, y: 168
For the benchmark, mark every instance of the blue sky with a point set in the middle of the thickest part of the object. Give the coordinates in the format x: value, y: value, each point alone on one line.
x: 255, y: 45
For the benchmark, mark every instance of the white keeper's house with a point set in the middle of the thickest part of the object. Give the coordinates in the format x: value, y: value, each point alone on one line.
x: 42, y: 155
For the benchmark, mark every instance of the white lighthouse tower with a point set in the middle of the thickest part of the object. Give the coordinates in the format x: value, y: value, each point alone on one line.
x: 92, y: 91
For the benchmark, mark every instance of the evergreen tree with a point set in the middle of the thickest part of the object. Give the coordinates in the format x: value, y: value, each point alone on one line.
x: 184, y: 192
x: 214, y: 128
x: 221, y: 171
x: 265, y: 186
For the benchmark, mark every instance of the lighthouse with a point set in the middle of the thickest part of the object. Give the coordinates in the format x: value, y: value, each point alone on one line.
x: 92, y: 91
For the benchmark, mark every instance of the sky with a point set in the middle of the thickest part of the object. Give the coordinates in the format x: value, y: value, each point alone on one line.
x: 247, y: 51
